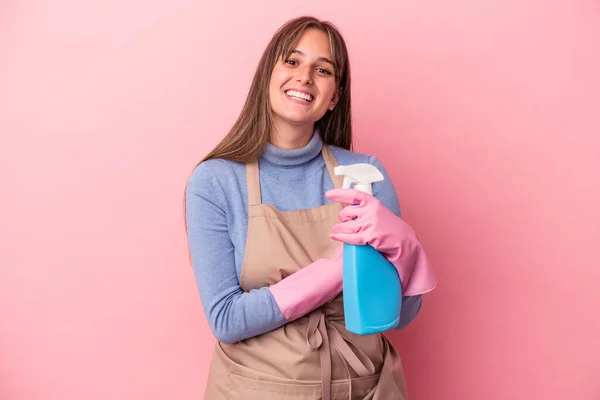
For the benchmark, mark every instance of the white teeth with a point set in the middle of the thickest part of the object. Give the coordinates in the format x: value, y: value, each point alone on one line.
x: 298, y: 95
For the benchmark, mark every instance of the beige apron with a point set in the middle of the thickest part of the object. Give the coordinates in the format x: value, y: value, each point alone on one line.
x: 313, y: 357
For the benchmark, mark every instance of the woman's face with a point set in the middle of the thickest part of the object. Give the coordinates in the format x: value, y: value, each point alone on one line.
x: 303, y: 85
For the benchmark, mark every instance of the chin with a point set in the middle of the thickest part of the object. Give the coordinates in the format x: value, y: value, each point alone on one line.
x: 299, y: 121
x: 293, y: 118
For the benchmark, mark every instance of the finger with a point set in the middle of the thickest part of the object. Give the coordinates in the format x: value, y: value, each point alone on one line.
x: 348, y: 238
x: 349, y: 227
x: 346, y: 196
x: 349, y: 213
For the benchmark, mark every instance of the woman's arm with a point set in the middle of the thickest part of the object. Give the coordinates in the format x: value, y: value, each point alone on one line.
x: 233, y: 314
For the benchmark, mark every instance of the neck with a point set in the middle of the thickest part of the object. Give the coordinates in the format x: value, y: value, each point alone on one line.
x: 292, y: 157
x: 290, y: 137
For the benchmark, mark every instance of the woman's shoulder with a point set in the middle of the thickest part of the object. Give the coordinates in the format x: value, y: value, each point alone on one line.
x: 346, y: 157
x: 216, y: 172
x: 217, y: 166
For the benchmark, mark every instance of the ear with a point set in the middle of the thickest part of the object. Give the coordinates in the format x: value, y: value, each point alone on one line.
x: 335, y: 99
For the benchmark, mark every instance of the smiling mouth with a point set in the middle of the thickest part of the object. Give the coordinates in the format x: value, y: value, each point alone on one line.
x: 294, y: 94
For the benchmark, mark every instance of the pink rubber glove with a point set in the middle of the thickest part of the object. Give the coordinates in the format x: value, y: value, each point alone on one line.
x: 366, y: 220
x: 309, y: 288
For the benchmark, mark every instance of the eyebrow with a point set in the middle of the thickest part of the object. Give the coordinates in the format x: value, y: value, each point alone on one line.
x: 319, y: 59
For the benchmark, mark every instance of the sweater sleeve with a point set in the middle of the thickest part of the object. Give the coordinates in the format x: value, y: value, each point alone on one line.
x: 232, y: 314
x: 385, y: 192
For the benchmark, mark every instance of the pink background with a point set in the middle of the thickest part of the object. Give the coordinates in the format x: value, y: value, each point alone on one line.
x: 486, y: 113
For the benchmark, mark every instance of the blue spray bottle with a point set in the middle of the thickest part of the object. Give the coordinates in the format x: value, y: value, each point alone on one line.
x: 371, y: 285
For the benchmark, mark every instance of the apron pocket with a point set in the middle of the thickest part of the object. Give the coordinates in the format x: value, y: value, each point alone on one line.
x: 257, y: 389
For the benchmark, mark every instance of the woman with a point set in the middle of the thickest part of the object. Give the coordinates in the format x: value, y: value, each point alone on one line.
x: 266, y: 218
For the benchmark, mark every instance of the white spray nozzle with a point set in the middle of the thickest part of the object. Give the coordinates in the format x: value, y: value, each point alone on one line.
x: 362, y: 175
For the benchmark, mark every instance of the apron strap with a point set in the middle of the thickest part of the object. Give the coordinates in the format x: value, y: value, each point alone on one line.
x: 318, y: 339
x: 253, y: 183
x: 324, y: 336
x: 331, y: 163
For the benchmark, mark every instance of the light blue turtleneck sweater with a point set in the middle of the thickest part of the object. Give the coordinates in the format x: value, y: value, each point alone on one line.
x: 217, y: 224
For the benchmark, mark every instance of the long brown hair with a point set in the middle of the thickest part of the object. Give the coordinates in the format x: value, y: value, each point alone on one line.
x: 249, y: 135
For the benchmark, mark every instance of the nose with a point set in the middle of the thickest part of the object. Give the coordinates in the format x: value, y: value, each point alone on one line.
x: 304, y: 75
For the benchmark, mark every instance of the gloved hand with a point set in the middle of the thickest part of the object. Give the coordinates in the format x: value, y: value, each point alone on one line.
x: 365, y: 220
x: 309, y: 288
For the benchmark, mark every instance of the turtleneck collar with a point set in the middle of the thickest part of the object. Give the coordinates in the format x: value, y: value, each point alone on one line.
x: 288, y: 158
